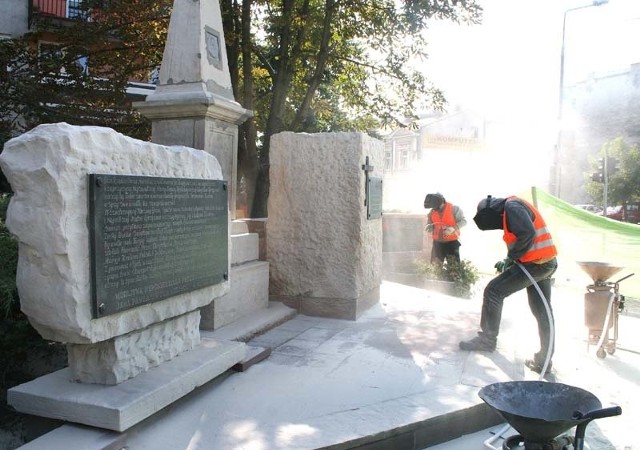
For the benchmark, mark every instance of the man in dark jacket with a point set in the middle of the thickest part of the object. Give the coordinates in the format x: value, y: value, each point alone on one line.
x: 530, y: 263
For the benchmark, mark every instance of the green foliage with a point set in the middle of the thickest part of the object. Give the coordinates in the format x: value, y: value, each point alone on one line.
x: 9, y: 304
x: 300, y: 65
x: 326, y: 65
x: 344, y: 65
x: 43, y: 80
x: 624, y: 183
x: 462, y: 273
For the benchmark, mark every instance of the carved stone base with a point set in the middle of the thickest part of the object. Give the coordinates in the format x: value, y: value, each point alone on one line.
x: 123, y: 357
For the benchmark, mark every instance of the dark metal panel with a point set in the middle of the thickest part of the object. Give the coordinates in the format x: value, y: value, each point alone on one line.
x: 374, y: 198
x: 152, y: 238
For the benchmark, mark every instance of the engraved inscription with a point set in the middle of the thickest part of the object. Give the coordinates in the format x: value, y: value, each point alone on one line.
x: 153, y: 238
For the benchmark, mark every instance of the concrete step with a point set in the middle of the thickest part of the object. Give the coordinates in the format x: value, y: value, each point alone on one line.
x: 244, y: 248
x: 252, y: 325
x: 248, y: 294
x: 239, y: 227
x: 121, y: 406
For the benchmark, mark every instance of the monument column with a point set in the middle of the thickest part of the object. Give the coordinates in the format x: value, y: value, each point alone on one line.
x: 193, y: 104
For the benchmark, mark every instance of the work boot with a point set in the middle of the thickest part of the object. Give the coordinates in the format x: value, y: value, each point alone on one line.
x: 536, y: 366
x: 479, y: 343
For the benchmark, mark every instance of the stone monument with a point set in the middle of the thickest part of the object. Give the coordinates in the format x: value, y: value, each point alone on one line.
x: 324, y: 237
x: 193, y: 105
x: 121, y: 242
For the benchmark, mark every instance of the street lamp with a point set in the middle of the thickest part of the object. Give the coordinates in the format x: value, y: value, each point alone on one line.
x: 561, y: 92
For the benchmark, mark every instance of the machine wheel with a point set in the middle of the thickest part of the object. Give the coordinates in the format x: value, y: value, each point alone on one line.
x: 512, y: 442
x: 611, y: 349
x: 601, y: 353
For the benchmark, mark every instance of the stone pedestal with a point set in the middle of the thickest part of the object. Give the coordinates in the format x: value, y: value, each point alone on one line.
x: 193, y: 104
x: 123, y: 357
x: 207, y: 123
x: 325, y: 255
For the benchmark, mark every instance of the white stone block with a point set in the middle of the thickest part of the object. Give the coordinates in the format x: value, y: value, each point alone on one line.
x: 116, y: 360
x: 244, y: 248
x: 47, y: 168
x: 320, y: 243
x: 249, y: 294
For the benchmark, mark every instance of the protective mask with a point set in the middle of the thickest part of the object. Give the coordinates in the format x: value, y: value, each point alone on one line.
x: 487, y: 218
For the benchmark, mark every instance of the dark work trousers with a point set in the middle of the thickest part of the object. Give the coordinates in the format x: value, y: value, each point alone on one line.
x: 510, y: 281
x: 441, y: 249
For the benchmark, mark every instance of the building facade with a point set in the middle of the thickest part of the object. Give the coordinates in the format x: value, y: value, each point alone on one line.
x: 598, y: 110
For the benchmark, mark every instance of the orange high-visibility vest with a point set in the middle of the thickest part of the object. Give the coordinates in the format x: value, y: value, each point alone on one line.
x: 442, y: 221
x: 543, y: 247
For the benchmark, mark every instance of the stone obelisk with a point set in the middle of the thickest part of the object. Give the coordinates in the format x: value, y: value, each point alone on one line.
x: 193, y: 104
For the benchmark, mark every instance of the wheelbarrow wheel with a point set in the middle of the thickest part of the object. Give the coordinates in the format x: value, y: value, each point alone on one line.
x: 611, y: 349
x: 601, y: 353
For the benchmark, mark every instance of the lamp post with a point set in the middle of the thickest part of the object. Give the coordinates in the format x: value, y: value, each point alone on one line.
x: 558, y: 149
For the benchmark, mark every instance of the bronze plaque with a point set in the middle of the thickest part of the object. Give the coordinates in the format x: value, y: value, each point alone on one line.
x: 374, y: 198
x: 153, y: 238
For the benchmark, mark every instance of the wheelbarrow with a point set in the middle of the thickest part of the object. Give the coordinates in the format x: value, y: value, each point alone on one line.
x: 541, y: 411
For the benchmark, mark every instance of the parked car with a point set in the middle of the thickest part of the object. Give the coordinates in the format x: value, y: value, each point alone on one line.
x: 631, y: 212
x: 591, y: 208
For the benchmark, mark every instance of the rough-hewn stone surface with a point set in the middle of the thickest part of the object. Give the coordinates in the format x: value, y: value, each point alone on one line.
x: 123, y: 357
x: 47, y: 168
x: 319, y: 241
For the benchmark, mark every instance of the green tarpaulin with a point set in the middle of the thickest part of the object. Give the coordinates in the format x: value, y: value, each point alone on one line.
x: 583, y: 236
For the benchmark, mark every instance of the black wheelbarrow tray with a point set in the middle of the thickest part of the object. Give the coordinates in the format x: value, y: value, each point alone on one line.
x: 541, y: 411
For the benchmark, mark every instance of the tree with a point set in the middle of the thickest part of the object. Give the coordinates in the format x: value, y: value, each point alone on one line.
x: 300, y: 65
x: 81, y: 77
x: 623, y: 172
x: 325, y: 65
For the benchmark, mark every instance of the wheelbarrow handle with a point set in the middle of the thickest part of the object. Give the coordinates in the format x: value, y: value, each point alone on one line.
x: 578, y: 443
x: 624, y: 278
x: 598, y: 413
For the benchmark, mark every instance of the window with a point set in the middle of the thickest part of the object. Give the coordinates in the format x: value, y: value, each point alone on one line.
x: 75, y: 10
x: 52, y: 58
x: 154, y: 76
x: 404, y: 159
x: 388, y: 160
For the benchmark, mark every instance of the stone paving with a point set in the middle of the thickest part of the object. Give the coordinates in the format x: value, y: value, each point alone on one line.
x: 393, y: 379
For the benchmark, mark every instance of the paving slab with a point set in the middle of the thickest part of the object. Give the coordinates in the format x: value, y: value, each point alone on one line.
x: 393, y: 379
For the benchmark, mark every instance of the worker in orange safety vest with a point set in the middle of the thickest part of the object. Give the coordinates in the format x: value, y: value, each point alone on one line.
x: 444, y: 222
x: 530, y: 264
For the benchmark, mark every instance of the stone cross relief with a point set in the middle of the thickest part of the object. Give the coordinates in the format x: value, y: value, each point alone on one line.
x: 367, y: 168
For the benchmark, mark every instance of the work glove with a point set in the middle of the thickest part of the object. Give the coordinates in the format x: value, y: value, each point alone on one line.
x: 429, y: 227
x: 449, y: 231
x: 503, y: 265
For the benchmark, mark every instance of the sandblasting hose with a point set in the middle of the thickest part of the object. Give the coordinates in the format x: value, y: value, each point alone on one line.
x: 552, y: 332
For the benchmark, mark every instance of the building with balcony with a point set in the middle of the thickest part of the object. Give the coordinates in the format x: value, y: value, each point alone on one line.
x: 42, y: 17
x: 18, y: 15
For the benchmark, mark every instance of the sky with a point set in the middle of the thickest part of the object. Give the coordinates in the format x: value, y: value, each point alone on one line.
x: 507, y: 69
x: 511, y: 62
